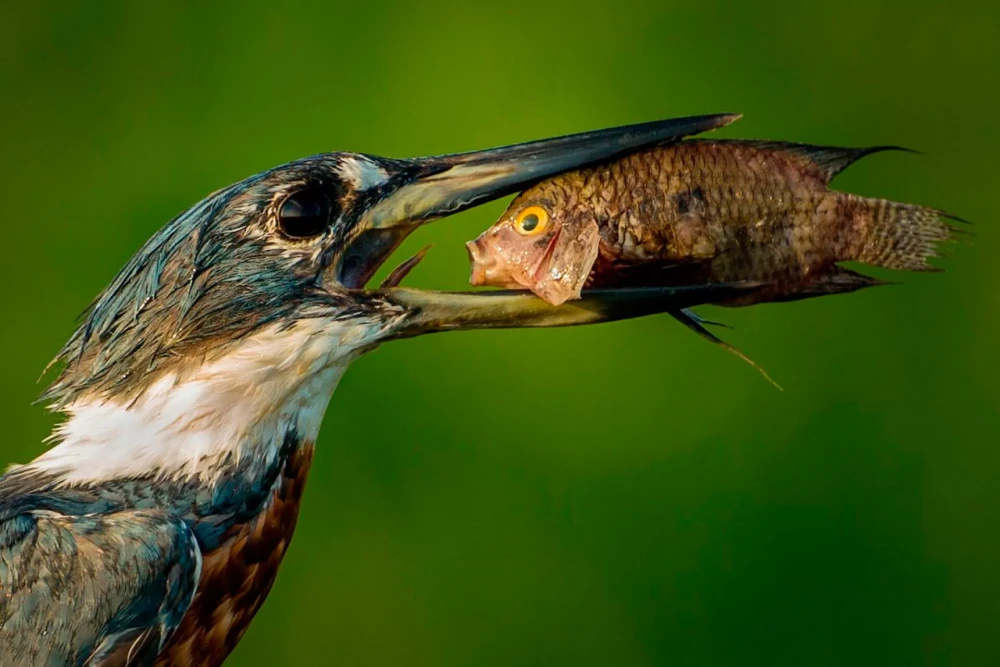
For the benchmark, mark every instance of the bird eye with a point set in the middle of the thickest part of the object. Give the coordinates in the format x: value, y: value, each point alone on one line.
x: 304, y: 214
x: 531, y: 220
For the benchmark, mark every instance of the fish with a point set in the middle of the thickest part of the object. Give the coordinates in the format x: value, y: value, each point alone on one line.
x: 706, y: 211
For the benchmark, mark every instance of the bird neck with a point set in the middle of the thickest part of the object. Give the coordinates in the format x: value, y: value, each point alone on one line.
x: 208, y: 420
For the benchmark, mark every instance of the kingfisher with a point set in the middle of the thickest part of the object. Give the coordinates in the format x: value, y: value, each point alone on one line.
x: 192, y: 392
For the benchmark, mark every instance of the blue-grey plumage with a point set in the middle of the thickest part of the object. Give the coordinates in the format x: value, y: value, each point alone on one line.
x: 122, y: 579
x: 193, y: 392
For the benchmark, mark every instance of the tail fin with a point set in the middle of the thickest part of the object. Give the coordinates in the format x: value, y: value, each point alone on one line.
x: 897, y: 236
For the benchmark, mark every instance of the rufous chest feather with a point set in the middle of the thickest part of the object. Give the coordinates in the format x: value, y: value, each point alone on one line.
x: 237, y: 575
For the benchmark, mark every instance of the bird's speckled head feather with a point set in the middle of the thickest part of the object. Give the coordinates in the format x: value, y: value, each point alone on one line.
x: 247, y: 256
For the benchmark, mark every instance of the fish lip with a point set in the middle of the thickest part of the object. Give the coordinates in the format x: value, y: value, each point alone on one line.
x: 484, y: 265
x: 477, y: 277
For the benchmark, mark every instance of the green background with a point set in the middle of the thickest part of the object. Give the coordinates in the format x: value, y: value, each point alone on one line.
x: 623, y: 494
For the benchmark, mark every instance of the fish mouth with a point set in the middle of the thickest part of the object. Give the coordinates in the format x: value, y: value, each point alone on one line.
x: 482, y: 262
x: 426, y: 189
x: 488, y: 270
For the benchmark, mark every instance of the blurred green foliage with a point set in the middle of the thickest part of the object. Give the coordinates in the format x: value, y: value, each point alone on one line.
x: 618, y: 495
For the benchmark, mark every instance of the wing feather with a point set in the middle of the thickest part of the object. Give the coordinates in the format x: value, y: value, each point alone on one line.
x: 97, y: 590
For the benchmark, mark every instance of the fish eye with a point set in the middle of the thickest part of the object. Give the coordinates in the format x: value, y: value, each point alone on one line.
x: 531, y: 220
x: 305, y: 214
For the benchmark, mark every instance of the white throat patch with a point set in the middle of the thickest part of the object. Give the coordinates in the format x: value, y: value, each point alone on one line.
x: 191, y: 423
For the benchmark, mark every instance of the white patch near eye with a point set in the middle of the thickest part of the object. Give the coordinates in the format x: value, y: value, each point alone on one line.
x: 239, y: 405
x: 361, y: 172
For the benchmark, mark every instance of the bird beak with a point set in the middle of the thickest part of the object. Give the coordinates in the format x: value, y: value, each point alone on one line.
x: 426, y: 189
x: 451, y: 183
x: 429, y: 312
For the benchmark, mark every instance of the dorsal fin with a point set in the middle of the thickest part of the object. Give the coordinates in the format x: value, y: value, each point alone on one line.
x: 831, y: 160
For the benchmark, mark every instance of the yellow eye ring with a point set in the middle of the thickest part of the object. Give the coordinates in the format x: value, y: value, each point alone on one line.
x: 531, y: 220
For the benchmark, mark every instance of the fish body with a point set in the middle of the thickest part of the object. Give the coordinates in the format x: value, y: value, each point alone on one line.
x: 704, y: 211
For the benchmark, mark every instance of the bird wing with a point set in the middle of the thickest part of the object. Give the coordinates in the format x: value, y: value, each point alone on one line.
x: 95, y: 589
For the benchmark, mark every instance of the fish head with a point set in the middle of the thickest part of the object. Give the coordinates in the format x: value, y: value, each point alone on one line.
x: 537, y: 244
